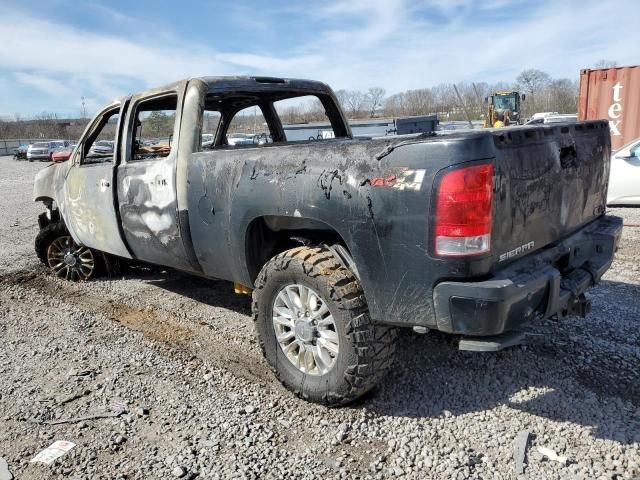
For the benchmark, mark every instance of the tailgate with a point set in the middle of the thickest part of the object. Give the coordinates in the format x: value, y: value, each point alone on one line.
x: 550, y: 181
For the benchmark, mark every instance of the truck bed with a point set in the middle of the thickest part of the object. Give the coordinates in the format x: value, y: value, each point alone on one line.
x: 377, y: 195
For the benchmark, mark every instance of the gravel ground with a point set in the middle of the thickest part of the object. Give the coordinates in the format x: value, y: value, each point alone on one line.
x: 179, y: 355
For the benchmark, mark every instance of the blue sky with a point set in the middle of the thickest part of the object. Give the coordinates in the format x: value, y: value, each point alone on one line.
x: 54, y: 52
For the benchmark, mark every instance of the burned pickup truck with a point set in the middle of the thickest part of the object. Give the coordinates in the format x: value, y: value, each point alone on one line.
x: 340, y: 240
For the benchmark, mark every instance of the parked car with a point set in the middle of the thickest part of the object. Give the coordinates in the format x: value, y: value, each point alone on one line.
x: 44, y: 150
x: 208, y: 140
x: 102, y: 147
x: 624, y: 178
x: 20, y: 153
x: 341, y: 241
x: 63, y: 154
x: 234, y: 139
x: 539, y: 115
x: 554, y: 118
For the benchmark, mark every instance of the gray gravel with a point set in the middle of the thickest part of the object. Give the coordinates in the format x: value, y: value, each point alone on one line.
x: 177, y: 355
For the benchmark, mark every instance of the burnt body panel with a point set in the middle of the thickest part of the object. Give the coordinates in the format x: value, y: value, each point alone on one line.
x: 147, y: 192
x: 208, y: 212
x: 550, y: 181
x: 379, y: 208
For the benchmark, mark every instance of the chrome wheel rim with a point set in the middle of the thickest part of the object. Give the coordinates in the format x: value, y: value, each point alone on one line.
x: 305, y: 329
x: 70, y: 261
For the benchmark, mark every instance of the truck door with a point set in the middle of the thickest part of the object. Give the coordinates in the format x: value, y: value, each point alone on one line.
x: 90, y: 185
x: 146, y: 178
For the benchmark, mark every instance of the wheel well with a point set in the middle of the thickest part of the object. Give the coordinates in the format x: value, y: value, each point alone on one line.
x: 52, y: 215
x: 48, y: 201
x: 270, y: 235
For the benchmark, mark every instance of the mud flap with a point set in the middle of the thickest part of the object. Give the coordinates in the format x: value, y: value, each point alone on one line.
x: 492, y: 344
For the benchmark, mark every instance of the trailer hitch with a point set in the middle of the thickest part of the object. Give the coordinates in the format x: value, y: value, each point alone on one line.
x: 581, y: 306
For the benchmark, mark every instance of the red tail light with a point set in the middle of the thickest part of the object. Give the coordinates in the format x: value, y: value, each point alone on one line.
x: 463, y: 212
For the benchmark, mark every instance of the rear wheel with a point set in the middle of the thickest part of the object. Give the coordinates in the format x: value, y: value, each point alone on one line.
x: 314, y: 327
x: 66, y: 259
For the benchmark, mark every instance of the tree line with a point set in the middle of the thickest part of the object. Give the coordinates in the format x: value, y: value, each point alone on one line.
x: 449, y: 101
x: 455, y: 101
x: 45, y: 125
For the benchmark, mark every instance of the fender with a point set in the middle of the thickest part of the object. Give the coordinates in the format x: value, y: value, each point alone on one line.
x: 48, y: 187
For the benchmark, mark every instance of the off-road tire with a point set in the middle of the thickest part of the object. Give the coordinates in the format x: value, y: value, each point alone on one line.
x: 46, y: 236
x: 366, y: 349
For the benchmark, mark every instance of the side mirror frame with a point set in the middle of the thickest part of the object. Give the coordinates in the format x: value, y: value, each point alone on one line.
x: 80, y: 155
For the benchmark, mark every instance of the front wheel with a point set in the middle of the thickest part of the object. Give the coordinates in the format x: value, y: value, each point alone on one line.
x: 66, y: 259
x: 314, y: 327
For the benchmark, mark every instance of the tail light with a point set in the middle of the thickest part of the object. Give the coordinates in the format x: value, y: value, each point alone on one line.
x: 463, y: 212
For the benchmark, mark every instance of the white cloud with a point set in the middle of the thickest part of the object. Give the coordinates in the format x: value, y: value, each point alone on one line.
x: 396, y: 44
x: 560, y: 38
x: 44, y: 83
x: 267, y: 63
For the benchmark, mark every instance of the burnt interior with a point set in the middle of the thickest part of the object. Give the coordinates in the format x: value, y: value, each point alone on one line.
x: 229, y: 103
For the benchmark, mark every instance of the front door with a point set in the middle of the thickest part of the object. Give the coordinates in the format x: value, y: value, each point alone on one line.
x: 90, y: 185
x: 147, y: 198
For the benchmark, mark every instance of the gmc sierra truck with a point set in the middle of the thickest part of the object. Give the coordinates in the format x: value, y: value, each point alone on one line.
x: 340, y: 240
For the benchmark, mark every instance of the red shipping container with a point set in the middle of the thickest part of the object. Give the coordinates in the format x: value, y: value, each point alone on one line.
x: 612, y: 94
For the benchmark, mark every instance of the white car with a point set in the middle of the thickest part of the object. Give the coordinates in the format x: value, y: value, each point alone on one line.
x: 44, y: 150
x: 624, y: 179
x: 554, y: 118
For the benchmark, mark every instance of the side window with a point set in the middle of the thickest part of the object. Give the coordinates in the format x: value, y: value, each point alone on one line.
x: 304, y: 118
x: 99, y: 146
x: 635, y: 151
x: 155, y: 120
x: 248, y: 127
x: 210, y: 124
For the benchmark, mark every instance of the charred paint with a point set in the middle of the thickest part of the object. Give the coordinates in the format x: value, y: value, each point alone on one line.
x: 193, y: 210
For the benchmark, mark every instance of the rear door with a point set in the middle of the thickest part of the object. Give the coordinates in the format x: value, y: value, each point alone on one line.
x: 147, y: 199
x: 90, y: 185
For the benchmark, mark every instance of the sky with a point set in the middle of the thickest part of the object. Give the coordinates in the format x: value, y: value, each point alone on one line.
x: 54, y: 52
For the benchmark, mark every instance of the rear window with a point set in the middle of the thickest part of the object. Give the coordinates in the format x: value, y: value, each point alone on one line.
x: 248, y: 127
x: 40, y: 145
x: 304, y: 119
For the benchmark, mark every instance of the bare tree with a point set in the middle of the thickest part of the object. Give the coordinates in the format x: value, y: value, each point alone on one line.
x: 355, y: 101
x: 603, y: 63
x: 342, y: 95
x: 563, y: 96
x: 534, y: 82
x: 375, y: 99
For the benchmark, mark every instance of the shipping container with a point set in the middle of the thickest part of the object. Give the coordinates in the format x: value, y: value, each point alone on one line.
x: 612, y: 94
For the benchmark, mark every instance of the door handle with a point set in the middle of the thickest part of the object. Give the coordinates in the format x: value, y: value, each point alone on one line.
x: 158, y: 181
x: 104, y: 183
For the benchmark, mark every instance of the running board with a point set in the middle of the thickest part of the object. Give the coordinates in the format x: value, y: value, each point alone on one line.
x: 492, y: 344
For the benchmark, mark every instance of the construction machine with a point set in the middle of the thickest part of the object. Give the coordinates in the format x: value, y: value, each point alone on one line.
x: 503, y: 109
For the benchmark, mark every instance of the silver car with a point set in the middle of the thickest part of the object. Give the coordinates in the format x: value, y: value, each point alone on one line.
x: 44, y: 150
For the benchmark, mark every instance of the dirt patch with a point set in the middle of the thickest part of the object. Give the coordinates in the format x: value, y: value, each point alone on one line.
x: 151, y: 325
x: 161, y: 327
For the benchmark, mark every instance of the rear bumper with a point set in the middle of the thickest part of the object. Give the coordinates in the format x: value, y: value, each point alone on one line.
x: 546, y: 283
